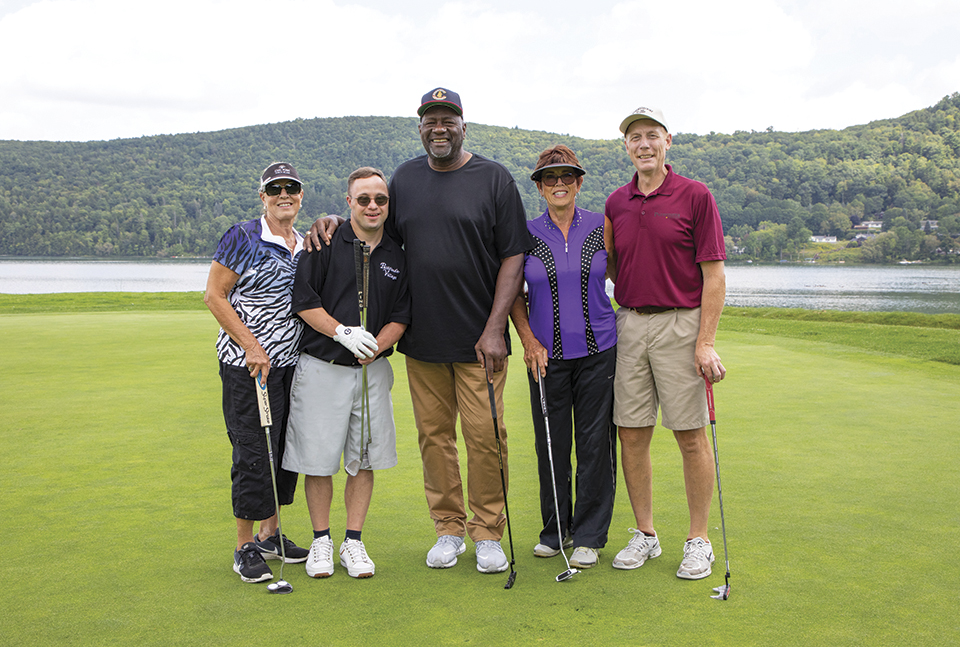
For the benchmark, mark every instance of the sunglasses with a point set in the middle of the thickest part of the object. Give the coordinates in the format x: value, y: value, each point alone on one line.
x: 566, y: 178
x: 364, y: 200
x: 293, y: 188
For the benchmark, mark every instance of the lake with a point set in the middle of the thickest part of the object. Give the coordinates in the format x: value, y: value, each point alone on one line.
x: 911, y: 288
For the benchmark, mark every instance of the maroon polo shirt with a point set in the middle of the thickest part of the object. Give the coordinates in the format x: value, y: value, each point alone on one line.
x: 660, y: 238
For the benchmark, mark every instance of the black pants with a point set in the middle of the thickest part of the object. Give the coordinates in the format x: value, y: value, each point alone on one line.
x: 579, y: 394
x: 252, y: 491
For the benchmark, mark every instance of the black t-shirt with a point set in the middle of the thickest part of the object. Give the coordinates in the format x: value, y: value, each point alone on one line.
x: 455, y: 227
x: 327, y: 278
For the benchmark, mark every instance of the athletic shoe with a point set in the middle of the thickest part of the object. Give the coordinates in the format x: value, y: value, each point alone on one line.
x: 697, y: 557
x: 584, y: 557
x: 320, y: 559
x: 444, y: 552
x: 638, y: 550
x: 249, y: 564
x: 542, y: 550
x: 490, y: 557
x: 353, y: 555
x: 270, y: 549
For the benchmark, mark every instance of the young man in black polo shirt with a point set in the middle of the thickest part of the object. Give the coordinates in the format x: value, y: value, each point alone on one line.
x: 327, y: 393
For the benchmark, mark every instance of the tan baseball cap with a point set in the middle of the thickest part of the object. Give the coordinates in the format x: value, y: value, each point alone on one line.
x: 653, y: 114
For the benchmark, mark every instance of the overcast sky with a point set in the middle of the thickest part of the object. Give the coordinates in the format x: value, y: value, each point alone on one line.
x: 106, y: 69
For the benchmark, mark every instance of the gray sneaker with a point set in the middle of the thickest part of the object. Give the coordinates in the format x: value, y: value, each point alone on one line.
x: 697, y: 558
x: 490, y: 557
x: 444, y: 552
x: 638, y: 550
x: 584, y: 557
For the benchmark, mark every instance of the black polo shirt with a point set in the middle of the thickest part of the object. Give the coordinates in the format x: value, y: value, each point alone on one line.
x: 326, y: 278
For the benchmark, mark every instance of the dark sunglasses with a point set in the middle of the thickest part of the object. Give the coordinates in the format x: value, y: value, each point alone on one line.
x: 293, y: 188
x: 567, y: 178
x: 364, y: 200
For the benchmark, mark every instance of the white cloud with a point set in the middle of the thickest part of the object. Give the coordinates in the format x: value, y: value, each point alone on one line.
x: 101, y: 69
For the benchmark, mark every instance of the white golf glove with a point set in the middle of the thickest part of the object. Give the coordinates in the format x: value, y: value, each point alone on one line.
x: 357, y: 340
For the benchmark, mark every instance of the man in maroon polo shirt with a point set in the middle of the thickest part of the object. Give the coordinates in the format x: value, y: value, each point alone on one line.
x: 668, y: 270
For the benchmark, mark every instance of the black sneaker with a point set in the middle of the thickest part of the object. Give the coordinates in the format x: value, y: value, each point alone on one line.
x: 270, y: 549
x: 248, y: 562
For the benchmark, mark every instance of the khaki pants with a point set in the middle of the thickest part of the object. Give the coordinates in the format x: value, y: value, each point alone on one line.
x: 440, y: 392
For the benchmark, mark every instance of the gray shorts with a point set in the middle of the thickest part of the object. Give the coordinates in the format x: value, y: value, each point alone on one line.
x: 656, y: 369
x: 324, y: 421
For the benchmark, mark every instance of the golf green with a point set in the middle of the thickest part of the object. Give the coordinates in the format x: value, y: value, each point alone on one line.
x: 839, y: 468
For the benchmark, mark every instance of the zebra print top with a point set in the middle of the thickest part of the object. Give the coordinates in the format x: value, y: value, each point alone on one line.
x: 263, y: 293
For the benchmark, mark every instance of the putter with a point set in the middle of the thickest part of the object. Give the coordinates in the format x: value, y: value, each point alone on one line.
x: 361, y: 259
x: 503, y: 481
x: 570, y: 572
x: 266, y: 421
x: 722, y: 592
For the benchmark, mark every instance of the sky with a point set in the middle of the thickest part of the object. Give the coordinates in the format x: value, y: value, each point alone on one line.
x: 80, y: 70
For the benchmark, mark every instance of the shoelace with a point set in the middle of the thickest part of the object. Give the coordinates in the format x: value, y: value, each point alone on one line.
x: 639, y: 539
x: 249, y: 557
x: 321, y: 549
x: 696, y: 551
x: 356, y: 551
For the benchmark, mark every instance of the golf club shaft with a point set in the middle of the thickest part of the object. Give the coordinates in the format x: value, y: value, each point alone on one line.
x: 553, y: 477
x: 716, y: 460
x: 266, y: 421
x: 503, y: 481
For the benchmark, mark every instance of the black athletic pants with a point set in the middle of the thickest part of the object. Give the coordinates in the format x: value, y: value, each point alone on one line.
x: 579, y: 395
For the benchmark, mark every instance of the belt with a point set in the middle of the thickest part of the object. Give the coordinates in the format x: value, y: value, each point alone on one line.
x: 651, y: 310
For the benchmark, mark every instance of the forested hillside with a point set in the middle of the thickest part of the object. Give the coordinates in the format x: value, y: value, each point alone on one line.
x: 175, y: 195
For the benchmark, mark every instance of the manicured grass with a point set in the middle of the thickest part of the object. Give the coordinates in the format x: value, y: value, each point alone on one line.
x: 65, y: 302
x: 839, y: 470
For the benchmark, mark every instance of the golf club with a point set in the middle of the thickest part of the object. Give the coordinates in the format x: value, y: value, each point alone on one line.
x: 723, y: 592
x: 503, y: 480
x: 570, y: 572
x: 266, y: 421
x: 361, y: 259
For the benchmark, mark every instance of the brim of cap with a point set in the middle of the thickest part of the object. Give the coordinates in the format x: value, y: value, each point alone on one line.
x: 536, y: 175
x: 281, y: 177
x: 632, y: 118
x: 446, y: 104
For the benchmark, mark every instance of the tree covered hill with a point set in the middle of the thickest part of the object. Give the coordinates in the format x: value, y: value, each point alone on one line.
x: 175, y: 195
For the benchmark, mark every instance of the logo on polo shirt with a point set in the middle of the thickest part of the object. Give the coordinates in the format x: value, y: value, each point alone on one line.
x: 390, y: 272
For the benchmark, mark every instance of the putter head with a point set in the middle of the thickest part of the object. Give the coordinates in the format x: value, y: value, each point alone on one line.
x: 280, y: 587
x: 723, y: 592
x: 567, y: 574
x: 510, y: 580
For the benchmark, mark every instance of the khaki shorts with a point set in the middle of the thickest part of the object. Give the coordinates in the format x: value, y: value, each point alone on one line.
x: 324, y: 422
x: 655, y: 369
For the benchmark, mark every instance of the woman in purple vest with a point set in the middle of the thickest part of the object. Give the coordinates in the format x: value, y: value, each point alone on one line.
x: 569, y: 341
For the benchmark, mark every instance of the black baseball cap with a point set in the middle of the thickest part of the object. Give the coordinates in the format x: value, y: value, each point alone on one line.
x: 440, y: 97
x: 279, y: 171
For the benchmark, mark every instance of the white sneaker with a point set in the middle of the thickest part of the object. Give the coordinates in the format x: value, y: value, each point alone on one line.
x: 584, y: 557
x: 320, y: 560
x: 697, y: 558
x: 490, y: 557
x: 542, y: 550
x: 444, y: 552
x: 353, y: 555
x: 638, y: 550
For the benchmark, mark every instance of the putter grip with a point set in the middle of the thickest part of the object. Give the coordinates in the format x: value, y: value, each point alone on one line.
x: 263, y: 403
x: 713, y: 416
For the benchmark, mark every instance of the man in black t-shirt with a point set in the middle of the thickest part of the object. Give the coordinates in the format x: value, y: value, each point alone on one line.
x: 461, y: 221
